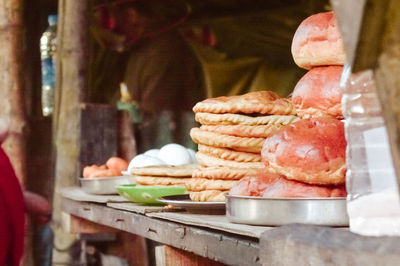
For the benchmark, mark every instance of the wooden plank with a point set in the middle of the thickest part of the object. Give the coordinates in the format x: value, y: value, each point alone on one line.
x: 141, y: 209
x: 170, y: 256
x: 218, y: 222
x: 125, y: 245
x: 71, y: 85
x: 98, y: 134
x: 316, y: 245
x: 216, y: 245
x: 76, y: 225
x: 76, y: 193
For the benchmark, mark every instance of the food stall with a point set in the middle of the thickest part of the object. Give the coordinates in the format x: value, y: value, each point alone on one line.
x: 305, y: 219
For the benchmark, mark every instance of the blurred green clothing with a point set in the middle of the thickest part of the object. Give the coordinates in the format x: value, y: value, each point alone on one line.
x: 236, y: 76
x: 252, y: 52
x: 163, y: 74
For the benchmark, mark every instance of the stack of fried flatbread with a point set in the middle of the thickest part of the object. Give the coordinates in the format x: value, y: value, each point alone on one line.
x: 163, y: 175
x: 232, y: 132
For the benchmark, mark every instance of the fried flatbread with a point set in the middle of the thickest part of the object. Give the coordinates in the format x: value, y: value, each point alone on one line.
x: 224, y: 173
x: 257, y: 131
x: 225, y: 141
x: 208, y: 160
x: 208, y: 195
x: 227, y: 154
x: 160, y: 181
x: 238, y: 119
x: 165, y: 170
x: 200, y: 184
x: 261, y: 102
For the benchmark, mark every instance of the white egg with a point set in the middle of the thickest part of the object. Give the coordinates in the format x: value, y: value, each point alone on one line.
x: 143, y: 160
x: 152, y: 152
x: 174, y: 154
x: 192, y: 155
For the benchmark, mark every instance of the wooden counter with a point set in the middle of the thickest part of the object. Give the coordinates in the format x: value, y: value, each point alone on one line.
x: 213, y: 237
x: 210, y: 236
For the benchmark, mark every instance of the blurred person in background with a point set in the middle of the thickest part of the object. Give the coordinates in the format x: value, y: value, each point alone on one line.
x: 14, y: 203
x: 161, y: 71
x: 12, y: 209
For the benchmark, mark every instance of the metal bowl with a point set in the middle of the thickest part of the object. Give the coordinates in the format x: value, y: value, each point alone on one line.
x: 105, y: 185
x: 280, y: 211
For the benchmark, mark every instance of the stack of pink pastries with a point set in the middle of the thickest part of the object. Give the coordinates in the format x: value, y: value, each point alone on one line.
x: 307, y: 158
x: 318, y: 47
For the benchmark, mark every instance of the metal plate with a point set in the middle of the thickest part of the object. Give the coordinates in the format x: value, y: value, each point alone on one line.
x: 184, y: 201
x: 105, y: 185
x: 280, y: 211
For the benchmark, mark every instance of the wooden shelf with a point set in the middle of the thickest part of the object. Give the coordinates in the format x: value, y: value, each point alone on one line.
x: 218, y: 245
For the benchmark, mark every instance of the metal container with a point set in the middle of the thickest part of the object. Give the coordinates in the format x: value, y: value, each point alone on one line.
x: 105, y: 185
x: 280, y: 211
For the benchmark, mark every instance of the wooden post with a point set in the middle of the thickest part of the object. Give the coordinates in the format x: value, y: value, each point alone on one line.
x: 12, y: 93
x: 11, y: 83
x: 71, y: 85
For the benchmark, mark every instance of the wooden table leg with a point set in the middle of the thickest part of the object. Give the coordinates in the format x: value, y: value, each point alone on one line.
x: 170, y: 256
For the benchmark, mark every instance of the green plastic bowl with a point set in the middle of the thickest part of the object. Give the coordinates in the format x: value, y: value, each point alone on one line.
x: 148, y: 194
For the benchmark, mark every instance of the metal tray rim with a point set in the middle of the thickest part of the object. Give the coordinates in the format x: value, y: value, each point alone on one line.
x: 102, y: 178
x: 188, y: 203
x: 287, y: 199
x: 280, y: 211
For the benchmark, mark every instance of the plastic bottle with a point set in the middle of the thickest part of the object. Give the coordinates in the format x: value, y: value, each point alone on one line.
x: 47, y: 54
x: 373, y: 200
